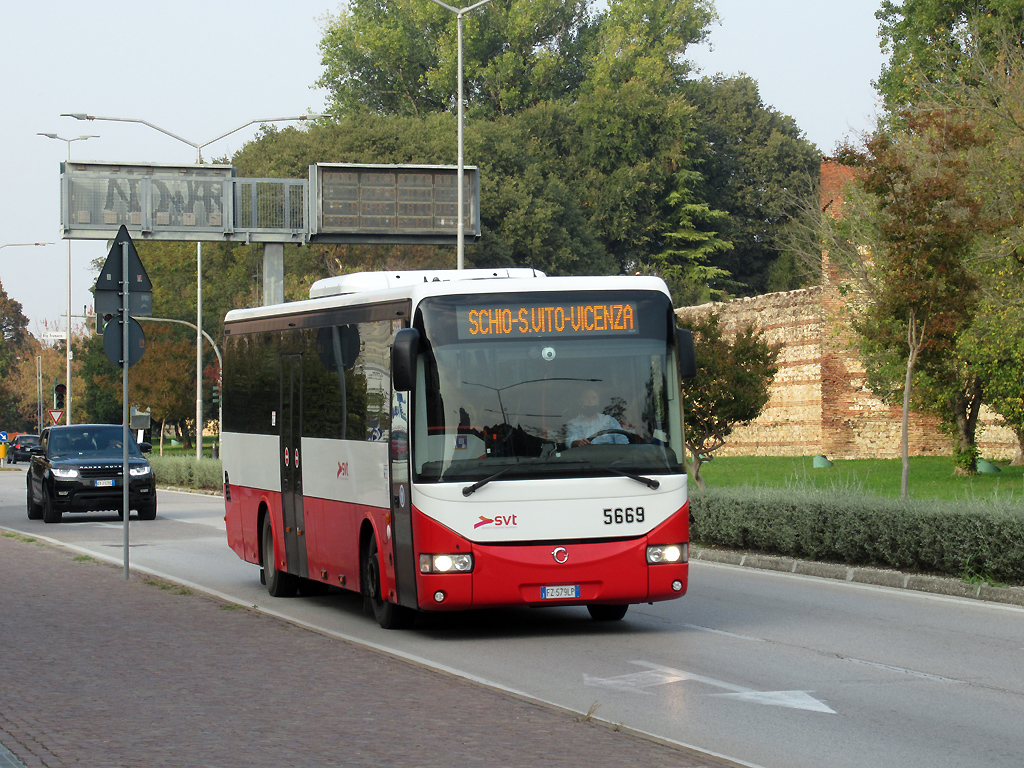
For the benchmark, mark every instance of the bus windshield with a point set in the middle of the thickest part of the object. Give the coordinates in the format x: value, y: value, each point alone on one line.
x: 546, y: 386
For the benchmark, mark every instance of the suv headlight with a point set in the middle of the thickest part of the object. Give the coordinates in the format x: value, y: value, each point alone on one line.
x: 139, y: 471
x: 668, y: 553
x: 66, y: 474
x: 458, y: 563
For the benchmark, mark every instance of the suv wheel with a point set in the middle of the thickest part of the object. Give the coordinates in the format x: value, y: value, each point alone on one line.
x: 50, y: 513
x: 35, y: 511
x: 147, y: 511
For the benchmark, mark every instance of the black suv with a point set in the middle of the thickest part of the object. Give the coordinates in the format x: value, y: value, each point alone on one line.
x: 78, y: 469
x: 21, y: 448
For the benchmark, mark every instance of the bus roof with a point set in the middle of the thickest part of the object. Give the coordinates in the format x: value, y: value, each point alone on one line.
x: 360, y: 282
x: 373, y: 287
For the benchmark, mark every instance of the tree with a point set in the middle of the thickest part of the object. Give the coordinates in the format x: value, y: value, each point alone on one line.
x: 13, y: 332
x: 690, y: 245
x: 400, y: 57
x: 645, y: 41
x: 994, y: 345
x: 731, y: 387
x: 924, y: 296
x: 610, y: 83
x: 927, y: 40
x: 163, y: 381
x: 989, y: 87
x: 977, y: 75
x: 13, y: 346
x: 759, y: 168
x: 638, y: 138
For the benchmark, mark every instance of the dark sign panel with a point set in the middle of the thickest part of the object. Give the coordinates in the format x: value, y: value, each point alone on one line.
x: 393, y: 203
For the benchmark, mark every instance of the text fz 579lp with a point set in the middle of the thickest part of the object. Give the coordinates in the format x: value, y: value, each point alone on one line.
x: 444, y: 441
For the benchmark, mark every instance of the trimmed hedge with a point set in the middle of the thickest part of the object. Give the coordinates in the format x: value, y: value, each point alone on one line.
x: 188, y: 472
x: 976, y: 539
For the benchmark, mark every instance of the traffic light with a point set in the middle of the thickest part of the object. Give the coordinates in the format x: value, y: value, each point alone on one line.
x: 216, y: 395
x: 102, y: 318
x: 60, y: 391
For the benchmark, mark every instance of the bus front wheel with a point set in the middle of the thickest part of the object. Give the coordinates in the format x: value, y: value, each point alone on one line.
x: 600, y: 612
x: 388, y: 615
x: 279, y: 584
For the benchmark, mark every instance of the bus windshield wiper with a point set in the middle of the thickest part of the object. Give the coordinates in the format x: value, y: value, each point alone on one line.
x: 649, y: 482
x: 469, y: 490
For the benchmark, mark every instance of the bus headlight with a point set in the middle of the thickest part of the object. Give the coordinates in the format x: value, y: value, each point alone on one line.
x: 459, y: 563
x: 668, y: 553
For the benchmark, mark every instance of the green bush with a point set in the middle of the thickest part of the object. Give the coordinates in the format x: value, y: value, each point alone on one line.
x: 188, y: 472
x: 953, y: 538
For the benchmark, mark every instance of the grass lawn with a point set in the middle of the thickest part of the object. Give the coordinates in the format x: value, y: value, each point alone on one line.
x: 180, y: 450
x: 930, y: 477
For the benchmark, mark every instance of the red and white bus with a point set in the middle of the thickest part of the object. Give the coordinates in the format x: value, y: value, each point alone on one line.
x: 450, y: 440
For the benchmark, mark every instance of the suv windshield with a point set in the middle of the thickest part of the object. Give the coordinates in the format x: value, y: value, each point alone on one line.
x: 555, y: 405
x: 89, y: 442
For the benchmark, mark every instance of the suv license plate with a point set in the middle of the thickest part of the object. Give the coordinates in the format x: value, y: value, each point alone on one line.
x: 563, y: 592
x: 104, y: 483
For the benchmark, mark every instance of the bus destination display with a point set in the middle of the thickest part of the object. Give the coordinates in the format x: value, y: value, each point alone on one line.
x: 545, y: 320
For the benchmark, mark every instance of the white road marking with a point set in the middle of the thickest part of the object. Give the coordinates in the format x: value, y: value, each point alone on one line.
x: 655, y: 675
x: 723, y: 632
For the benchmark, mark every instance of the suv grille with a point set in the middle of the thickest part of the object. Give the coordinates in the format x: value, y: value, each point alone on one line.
x: 100, y: 470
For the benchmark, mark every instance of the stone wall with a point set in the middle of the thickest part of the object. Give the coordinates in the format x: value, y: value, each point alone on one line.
x: 819, y: 401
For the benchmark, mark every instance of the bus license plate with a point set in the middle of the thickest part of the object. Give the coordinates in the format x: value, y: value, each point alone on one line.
x: 104, y: 483
x: 563, y: 592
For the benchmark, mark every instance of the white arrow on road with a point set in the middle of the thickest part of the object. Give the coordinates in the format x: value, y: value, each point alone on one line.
x: 655, y: 675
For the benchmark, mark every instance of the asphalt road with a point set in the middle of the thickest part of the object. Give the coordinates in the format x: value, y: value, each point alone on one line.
x: 771, y: 669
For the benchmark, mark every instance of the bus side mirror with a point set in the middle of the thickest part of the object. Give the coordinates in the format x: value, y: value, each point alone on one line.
x: 403, y: 358
x: 685, y: 352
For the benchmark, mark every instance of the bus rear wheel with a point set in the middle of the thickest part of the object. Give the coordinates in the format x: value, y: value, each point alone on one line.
x: 388, y: 615
x: 600, y: 612
x: 279, y: 584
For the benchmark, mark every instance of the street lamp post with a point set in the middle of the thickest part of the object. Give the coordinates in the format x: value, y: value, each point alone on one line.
x: 67, y: 341
x: 199, y: 246
x: 461, y: 246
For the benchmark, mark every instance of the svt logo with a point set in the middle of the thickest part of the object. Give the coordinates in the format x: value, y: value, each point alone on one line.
x: 498, y: 521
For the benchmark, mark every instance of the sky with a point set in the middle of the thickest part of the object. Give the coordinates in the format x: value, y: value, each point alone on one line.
x: 200, y: 69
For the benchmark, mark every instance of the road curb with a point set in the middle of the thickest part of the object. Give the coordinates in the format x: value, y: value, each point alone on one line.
x: 881, y: 577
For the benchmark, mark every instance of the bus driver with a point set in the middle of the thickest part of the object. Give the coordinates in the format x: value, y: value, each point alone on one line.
x: 590, y: 421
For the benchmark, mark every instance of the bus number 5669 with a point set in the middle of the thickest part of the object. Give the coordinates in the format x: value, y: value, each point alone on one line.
x: 623, y: 515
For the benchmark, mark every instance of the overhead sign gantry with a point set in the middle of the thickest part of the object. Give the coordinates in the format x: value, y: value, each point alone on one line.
x: 350, y: 203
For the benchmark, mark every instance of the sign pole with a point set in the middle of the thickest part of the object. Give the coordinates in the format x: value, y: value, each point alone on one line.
x: 126, y: 344
x: 125, y: 477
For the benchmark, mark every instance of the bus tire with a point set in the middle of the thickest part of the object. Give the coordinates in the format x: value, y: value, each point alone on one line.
x: 388, y: 615
x: 279, y: 584
x: 602, y: 612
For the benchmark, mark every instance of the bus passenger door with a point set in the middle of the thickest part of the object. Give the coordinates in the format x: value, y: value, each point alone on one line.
x: 401, y: 502
x: 291, y: 464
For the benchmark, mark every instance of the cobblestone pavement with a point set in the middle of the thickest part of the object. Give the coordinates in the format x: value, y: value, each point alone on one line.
x: 99, y: 672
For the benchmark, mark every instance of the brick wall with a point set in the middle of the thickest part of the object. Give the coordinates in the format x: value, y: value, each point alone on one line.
x: 819, y: 400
